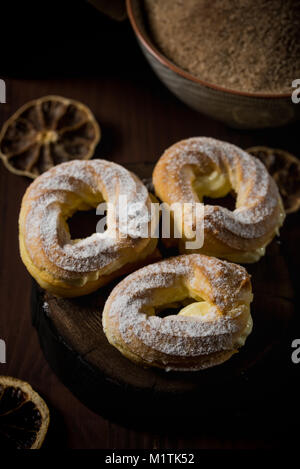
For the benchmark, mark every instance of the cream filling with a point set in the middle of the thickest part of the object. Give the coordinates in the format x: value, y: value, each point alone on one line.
x: 215, y: 184
x: 256, y: 254
x: 247, y: 331
x: 201, y: 309
x: 204, y: 310
x: 247, y: 256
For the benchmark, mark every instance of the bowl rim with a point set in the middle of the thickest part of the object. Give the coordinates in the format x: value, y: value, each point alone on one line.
x: 167, y: 63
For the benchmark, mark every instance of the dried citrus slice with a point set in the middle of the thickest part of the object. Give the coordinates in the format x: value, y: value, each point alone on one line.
x: 24, y: 416
x: 45, y: 132
x: 285, y: 169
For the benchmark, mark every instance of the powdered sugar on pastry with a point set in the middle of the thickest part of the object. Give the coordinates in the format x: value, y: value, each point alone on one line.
x: 176, y: 341
x: 46, y: 246
x: 202, y: 166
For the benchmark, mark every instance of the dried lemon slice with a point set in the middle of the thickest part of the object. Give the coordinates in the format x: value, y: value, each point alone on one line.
x: 24, y: 416
x: 285, y: 169
x: 45, y: 132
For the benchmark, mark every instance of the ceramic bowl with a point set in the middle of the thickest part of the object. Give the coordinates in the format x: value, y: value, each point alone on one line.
x: 237, y: 109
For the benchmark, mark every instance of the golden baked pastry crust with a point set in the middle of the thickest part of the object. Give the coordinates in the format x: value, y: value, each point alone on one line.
x: 202, y: 334
x: 68, y: 267
x: 198, y: 167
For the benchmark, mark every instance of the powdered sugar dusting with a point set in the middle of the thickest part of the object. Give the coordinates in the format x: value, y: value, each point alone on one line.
x: 67, y: 186
x: 219, y: 282
x: 257, y: 207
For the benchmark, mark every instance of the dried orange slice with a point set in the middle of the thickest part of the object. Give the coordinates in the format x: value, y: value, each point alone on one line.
x: 285, y: 169
x: 45, y: 132
x: 24, y: 416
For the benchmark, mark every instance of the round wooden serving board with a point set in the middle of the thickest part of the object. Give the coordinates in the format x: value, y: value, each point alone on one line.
x: 72, y: 338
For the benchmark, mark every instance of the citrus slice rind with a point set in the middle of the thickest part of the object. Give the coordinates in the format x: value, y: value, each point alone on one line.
x: 24, y: 416
x: 285, y: 169
x: 45, y: 132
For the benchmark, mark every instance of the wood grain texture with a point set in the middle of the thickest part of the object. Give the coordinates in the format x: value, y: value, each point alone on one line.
x: 139, y: 119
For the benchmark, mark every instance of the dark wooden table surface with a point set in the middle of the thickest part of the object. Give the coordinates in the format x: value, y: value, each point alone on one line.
x: 139, y: 118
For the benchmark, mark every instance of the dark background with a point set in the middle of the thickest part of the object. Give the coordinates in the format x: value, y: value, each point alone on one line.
x: 71, y: 49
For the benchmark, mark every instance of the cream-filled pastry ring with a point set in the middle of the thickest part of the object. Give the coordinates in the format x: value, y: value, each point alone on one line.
x: 68, y: 267
x: 204, y: 333
x: 198, y: 167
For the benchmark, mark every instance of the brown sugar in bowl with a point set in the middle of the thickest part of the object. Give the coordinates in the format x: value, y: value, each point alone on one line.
x: 238, y: 109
